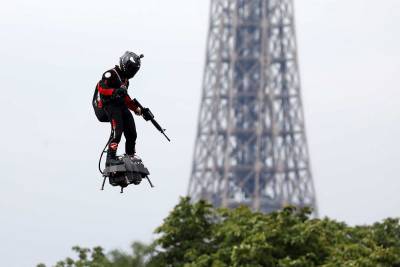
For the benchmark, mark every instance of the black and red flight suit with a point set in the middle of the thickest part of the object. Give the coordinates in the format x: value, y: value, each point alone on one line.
x: 117, y: 107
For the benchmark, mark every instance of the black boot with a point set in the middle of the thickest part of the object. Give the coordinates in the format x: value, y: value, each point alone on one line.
x: 112, y: 157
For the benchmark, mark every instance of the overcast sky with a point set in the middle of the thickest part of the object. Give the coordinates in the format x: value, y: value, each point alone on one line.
x: 53, y: 53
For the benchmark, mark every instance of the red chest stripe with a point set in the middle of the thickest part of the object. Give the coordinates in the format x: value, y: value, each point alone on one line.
x: 104, y: 91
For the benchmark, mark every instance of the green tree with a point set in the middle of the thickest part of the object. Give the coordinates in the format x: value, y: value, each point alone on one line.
x: 198, y: 235
x: 186, y: 234
x: 139, y: 257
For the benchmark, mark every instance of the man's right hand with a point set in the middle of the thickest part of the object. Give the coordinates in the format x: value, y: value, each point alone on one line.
x: 138, y: 111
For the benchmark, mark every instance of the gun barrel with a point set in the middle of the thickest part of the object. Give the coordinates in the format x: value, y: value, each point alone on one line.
x: 169, y: 140
x: 158, y: 126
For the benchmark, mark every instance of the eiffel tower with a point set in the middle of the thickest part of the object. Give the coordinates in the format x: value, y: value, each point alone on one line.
x: 251, y: 147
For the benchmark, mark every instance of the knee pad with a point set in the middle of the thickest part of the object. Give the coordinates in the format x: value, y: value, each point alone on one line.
x: 113, y: 146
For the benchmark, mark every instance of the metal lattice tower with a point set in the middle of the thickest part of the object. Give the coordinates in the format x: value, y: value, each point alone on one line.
x: 251, y: 145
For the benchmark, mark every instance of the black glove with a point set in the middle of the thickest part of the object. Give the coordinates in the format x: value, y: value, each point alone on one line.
x: 122, y: 91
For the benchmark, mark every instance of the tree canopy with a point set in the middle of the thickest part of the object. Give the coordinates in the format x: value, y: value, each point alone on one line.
x: 198, y: 235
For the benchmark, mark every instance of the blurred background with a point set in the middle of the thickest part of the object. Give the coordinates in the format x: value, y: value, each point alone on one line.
x: 54, y: 52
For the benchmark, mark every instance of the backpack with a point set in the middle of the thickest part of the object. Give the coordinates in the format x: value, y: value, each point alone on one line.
x: 97, y: 104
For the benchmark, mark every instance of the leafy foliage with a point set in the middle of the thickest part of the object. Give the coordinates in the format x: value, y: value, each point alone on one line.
x: 198, y: 235
x: 96, y: 258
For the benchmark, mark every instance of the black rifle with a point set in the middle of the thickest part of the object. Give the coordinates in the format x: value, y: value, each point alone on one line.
x: 148, y: 116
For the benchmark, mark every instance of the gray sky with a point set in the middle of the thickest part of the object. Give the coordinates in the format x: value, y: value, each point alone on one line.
x: 53, y: 53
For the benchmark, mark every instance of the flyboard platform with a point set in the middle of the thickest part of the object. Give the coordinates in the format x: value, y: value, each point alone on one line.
x: 127, y: 170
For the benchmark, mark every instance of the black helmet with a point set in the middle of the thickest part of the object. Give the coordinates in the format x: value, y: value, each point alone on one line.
x: 130, y: 64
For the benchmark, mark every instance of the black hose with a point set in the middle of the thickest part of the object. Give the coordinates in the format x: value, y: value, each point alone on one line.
x: 104, y: 149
